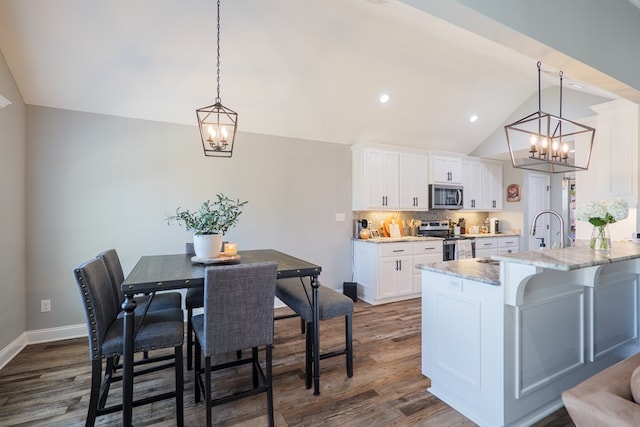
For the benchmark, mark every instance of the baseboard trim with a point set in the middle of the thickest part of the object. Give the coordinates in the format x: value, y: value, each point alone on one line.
x: 40, y: 336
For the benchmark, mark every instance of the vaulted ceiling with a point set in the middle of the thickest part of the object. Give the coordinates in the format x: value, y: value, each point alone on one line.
x: 303, y: 69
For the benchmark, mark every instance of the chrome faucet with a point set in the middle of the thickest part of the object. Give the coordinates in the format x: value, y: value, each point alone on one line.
x: 557, y: 215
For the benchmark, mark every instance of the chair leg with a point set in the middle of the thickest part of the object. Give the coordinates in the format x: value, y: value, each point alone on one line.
x: 207, y: 388
x: 349, y: 342
x: 106, y: 382
x: 269, y: 381
x: 254, y: 366
x: 179, y: 386
x: 189, y: 339
x: 196, y: 372
x: 302, y: 324
x: 96, y: 381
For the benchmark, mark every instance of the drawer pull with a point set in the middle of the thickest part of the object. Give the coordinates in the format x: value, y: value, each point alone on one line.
x: 398, y: 250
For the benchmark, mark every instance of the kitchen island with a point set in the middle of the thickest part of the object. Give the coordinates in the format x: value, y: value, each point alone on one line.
x: 503, y: 337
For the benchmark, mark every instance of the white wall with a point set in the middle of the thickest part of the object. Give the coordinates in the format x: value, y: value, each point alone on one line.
x: 98, y: 182
x: 12, y: 214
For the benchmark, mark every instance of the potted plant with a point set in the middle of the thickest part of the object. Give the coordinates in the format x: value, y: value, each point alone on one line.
x: 209, y: 223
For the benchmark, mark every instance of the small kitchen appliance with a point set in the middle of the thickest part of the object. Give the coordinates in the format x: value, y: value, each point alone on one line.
x: 494, y: 226
x: 358, y: 225
x: 445, y: 196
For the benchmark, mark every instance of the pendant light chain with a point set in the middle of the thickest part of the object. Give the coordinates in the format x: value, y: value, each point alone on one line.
x: 218, y: 100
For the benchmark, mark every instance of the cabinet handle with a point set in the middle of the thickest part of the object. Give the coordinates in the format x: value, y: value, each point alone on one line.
x: 429, y: 249
x: 398, y: 250
x: 396, y: 265
x: 400, y: 264
x: 493, y: 203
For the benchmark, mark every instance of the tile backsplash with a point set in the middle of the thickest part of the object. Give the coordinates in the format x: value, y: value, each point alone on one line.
x: 377, y: 217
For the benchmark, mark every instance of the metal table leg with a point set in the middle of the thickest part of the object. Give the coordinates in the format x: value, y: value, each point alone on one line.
x: 316, y: 336
x: 129, y: 306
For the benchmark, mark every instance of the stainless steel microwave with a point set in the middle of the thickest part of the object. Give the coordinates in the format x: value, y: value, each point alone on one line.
x: 445, y: 196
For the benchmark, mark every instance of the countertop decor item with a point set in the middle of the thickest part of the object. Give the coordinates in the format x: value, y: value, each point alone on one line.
x: 600, y: 215
x: 217, y: 123
x: 209, y: 223
x: 550, y: 140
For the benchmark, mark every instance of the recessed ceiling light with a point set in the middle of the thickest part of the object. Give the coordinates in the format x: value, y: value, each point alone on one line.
x: 384, y: 98
x: 473, y: 118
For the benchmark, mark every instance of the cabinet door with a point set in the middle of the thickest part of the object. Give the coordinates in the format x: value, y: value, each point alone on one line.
x: 447, y: 170
x: 381, y: 179
x: 413, y: 181
x: 396, y: 277
x: 492, y: 186
x: 472, y: 184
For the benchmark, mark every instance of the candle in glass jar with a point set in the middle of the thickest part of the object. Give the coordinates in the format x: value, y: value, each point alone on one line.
x: 231, y: 249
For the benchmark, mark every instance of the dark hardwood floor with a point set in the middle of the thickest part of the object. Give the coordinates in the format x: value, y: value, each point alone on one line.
x: 48, y: 384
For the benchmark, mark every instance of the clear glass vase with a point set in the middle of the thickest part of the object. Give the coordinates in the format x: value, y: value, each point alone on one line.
x: 600, y: 239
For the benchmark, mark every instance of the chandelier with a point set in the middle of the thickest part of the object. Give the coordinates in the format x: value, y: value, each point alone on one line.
x: 217, y: 123
x: 550, y: 140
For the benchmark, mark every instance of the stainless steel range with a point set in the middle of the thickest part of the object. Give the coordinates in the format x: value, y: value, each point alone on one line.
x: 442, y: 229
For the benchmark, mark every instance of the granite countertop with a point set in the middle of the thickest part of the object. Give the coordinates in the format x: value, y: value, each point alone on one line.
x: 487, y: 270
x: 398, y: 239
x: 575, y: 257
x: 478, y: 269
x: 422, y: 238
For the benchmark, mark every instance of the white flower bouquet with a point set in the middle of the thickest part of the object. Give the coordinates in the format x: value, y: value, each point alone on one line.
x: 602, y: 213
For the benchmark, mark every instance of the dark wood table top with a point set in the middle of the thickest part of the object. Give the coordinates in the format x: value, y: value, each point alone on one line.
x: 160, y: 272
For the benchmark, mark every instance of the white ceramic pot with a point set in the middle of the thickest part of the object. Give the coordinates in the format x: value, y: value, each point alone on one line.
x: 207, y: 245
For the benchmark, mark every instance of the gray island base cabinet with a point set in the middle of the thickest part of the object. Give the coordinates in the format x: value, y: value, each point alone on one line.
x: 501, y: 352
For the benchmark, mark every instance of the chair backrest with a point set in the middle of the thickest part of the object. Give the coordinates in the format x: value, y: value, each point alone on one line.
x: 100, y: 307
x: 188, y: 248
x: 238, y: 306
x: 112, y: 262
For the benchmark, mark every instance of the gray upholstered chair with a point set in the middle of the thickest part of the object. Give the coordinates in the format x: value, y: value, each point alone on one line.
x: 158, y: 329
x: 238, y: 314
x: 297, y: 295
x: 160, y: 301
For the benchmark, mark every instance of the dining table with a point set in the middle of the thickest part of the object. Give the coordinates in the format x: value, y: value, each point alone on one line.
x: 155, y: 273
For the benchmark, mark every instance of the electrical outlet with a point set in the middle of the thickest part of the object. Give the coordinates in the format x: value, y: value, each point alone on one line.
x: 45, y: 305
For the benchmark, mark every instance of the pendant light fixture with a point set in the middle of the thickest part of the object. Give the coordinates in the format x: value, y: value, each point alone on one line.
x: 217, y: 123
x: 550, y: 140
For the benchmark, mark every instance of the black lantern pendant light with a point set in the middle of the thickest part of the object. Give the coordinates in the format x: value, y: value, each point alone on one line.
x: 550, y: 140
x: 217, y: 123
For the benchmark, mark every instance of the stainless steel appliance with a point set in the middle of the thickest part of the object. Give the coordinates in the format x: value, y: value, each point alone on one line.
x: 441, y: 229
x: 445, y: 196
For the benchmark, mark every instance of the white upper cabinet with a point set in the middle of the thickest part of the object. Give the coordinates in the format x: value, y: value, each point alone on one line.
x: 491, y: 185
x: 414, y: 192
x: 471, y: 183
x: 386, y: 178
x: 482, y: 183
x: 446, y: 169
x: 613, y: 169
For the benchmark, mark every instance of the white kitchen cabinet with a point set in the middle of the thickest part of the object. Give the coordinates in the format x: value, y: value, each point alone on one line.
x: 424, y: 253
x: 613, y: 169
x: 508, y: 245
x: 385, y: 178
x: 446, y: 169
x: 482, y: 183
x: 472, y: 184
x: 491, y: 185
x: 486, y: 246
x: 385, y: 272
x: 414, y: 181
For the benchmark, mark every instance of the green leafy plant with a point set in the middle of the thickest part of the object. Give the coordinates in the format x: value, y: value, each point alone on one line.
x: 211, y: 218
